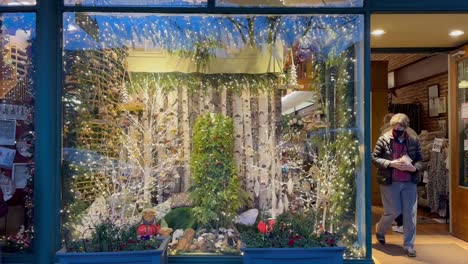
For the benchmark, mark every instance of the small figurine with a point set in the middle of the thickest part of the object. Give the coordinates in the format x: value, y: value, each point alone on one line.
x: 149, y: 227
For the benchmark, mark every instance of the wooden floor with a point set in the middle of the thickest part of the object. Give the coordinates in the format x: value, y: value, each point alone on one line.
x: 434, y: 244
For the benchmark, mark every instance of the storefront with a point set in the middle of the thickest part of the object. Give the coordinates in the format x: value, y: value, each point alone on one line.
x: 114, y: 108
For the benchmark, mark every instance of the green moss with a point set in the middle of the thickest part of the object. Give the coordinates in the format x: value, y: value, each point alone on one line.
x: 181, y: 218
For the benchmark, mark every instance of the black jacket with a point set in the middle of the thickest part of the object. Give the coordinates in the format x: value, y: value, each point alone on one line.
x: 383, y: 155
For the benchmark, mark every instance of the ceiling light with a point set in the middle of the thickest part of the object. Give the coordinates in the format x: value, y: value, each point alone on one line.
x: 378, y: 32
x: 456, y: 33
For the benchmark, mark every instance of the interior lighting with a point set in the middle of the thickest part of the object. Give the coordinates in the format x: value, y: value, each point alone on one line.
x: 378, y: 32
x: 456, y: 33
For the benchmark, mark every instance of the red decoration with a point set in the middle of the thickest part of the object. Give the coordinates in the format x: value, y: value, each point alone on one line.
x: 265, y: 228
x: 262, y: 227
x: 147, y: 230
x: 271, y: 223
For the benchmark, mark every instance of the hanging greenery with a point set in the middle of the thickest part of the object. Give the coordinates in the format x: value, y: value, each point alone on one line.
x: 199, y: 82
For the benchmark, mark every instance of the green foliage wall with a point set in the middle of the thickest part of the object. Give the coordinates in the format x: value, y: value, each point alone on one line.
x: 215, y: 190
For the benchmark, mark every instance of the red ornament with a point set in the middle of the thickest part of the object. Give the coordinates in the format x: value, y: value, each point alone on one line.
x: 265, y: 228
x: 147, y: 230
x: 271, y: 223
x: 262, y: 227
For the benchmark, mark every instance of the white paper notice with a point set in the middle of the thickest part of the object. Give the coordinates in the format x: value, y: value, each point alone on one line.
x: 464, y: 111
x: 438, y: 143
x: 466, y: 144
x: 425, y: 177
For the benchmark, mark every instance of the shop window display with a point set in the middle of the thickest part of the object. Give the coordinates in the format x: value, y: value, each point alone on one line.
x: 16, y: 131
x: 212, y: 122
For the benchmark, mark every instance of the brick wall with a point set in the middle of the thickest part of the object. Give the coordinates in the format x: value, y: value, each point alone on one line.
x: 398, y: 60
x: 417, y: 93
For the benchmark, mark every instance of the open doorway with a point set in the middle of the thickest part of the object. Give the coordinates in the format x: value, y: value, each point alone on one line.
x: 417, y: 85
x: 411, y: 74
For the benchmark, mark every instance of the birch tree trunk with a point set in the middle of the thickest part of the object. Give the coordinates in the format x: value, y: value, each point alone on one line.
x: 223, y: 101
x: 151, y: 105
x: 161, y: 126
x: 239, y: 135
x: 248, y: 142
x: 171, y: 136
x: 186, y: 135
x: 276, y: 175
x: 264, y: 154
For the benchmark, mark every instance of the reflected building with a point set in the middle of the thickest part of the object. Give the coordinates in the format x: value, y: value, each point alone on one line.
x: 15, y: 66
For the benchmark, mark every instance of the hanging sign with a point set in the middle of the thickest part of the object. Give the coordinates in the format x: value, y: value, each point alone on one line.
x: 465, y: 145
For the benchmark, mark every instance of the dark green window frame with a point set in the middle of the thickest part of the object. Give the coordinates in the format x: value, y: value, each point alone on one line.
x: 48, y: 84
x: 48, y: 101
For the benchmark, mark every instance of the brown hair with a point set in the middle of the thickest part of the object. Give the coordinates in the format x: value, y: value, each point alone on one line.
x: 386, y: 123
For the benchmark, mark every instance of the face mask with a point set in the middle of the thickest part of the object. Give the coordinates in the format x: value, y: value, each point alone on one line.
x: 398, y: 133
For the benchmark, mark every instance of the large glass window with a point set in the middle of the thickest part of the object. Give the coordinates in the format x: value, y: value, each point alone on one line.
x: 17, y: 34
x: 207, y: 121
x: 137, y: 2
x: 17, y: 2
x: 291, y: 3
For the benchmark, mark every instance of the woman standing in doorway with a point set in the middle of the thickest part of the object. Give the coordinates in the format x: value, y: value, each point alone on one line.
x: 397, y: 155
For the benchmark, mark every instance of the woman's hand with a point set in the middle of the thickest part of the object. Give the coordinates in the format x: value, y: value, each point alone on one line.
x: 402, y: 166
x: 410, y: 168
x: 398, y: 164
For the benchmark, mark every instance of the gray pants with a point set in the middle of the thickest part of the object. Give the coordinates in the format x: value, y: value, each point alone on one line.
x: 399, y: 198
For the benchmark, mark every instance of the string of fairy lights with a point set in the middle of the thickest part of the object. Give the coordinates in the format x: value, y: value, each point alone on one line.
x: 325, y: 36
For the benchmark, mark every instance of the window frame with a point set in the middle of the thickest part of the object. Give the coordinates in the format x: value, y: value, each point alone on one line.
x: 48, y: 84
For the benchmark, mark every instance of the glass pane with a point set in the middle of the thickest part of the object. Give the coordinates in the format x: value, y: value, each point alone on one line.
x: 463, y: 121
x: 17, y: 36
x: 17, y: 2
x: 291, y: 3
x: 202, y: 120
x: 137, y: 2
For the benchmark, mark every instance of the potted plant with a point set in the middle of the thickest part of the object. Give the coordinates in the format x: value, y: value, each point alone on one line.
x: 291, y: 238
x: 110, y: 243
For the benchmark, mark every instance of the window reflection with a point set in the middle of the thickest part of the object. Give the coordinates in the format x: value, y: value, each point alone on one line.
x: 17, y: 36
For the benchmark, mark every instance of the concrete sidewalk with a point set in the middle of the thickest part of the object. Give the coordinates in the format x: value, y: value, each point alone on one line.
x: 435, y: 249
